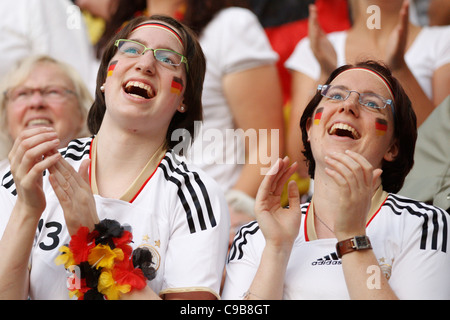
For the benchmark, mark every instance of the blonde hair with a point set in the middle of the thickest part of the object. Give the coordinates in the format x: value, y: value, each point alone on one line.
x: 19, y: 74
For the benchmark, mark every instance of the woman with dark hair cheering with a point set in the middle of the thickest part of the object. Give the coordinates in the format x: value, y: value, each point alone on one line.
x: 355, y: 239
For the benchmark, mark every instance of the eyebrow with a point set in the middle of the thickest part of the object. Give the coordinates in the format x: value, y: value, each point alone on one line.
x: 145, y: 44
x: 346, y: 88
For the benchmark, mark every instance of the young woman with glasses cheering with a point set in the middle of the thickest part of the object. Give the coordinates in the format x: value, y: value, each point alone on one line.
x: 136, y: 221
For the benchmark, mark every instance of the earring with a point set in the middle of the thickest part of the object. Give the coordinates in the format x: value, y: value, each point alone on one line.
x: 182, y: 108
x: 102, y: 88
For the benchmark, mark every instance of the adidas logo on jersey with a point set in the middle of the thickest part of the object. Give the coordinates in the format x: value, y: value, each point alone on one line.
x: 329, y: 259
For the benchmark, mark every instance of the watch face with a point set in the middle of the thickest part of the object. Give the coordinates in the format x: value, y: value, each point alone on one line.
x: 362, y: 242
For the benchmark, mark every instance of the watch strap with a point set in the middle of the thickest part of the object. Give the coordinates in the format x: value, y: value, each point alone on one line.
x: 352, y: 244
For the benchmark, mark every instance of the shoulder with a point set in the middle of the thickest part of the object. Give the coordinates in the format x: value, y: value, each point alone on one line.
x: 433, y: 40
x: 234, y: 24
x: 401, y: 205
x: 179, y: 172
x: 248, y: 236
x: 418, y: 219
x: 198, y: 196
x: 234, y: 15
x: 77, y: 149
x: 436, y: 32
x: 235, y: 41
x: 249, y: 240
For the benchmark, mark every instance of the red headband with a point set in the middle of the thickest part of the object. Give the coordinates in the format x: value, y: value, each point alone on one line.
x: 160, y: 26
x: 379, y: 76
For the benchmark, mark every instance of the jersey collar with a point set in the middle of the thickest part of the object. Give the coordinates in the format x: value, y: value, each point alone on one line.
x: 378, y: 200
x: 141, y: 180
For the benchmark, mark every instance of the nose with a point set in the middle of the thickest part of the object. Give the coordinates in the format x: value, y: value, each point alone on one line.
x: 36, y: 100
x: 146, y: 62
x: 351, y: 104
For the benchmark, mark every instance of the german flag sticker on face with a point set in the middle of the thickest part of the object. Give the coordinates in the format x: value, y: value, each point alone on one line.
x: 381, y: 126
x: 111, y: 68
x: 177, y: 86
x: 318, y: 115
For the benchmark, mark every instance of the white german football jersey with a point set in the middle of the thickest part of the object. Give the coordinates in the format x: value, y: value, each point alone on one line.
x: 410, y: 240
x: 176, y: 211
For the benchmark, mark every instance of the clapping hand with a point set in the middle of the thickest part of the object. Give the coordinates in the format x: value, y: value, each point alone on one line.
x: 320, y: 45
x: 34, y: 151
x: 280, y: 226
x: 74, y: 194
x: 356, y: 180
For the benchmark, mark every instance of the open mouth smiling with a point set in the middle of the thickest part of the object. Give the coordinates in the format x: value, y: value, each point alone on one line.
x: 39, y: 122
x: 139, y: 90
x: 344, y: 130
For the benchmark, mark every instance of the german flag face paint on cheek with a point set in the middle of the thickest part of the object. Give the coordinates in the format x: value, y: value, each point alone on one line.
x: 318, y: 116
x: 111, y: 68
x: 381, y: 126
x: 177, y: 86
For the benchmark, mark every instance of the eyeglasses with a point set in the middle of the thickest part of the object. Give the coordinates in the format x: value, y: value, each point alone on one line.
x: 134, y: 49
x: 50, y: 94
x: 369, y: 100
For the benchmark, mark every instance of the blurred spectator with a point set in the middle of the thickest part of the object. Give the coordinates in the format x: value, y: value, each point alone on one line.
x: 286, y: 23
x: 242, y: 93
x: 430, y: 12
x: 429, y: 179
x: 111, y: 15
x: 42, y: 91
x: 439, y: 13
x: 51, y: 27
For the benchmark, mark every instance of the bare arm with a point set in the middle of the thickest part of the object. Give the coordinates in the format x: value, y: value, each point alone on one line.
x: 395, y: 58
x: 255, y: 99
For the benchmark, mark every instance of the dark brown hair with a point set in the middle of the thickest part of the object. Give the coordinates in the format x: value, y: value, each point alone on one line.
x: 194, y: 85
x: 405, y: 127
x: 200, y: 12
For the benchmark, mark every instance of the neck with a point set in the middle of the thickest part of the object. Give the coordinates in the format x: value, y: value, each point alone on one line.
x: 363, y: 11
x: 119, y: 147
x: 120, y: 158
x: 323, y: 199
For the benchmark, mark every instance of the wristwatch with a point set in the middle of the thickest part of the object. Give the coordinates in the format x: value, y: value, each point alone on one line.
x: 353, y: 244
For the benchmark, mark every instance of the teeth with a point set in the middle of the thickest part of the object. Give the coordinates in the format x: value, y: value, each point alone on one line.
x: 141, y: 85
x: 37, y: 122
x: 343, y: 126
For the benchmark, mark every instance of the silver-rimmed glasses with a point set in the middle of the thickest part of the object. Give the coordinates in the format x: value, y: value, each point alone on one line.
x: 368, y: 99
